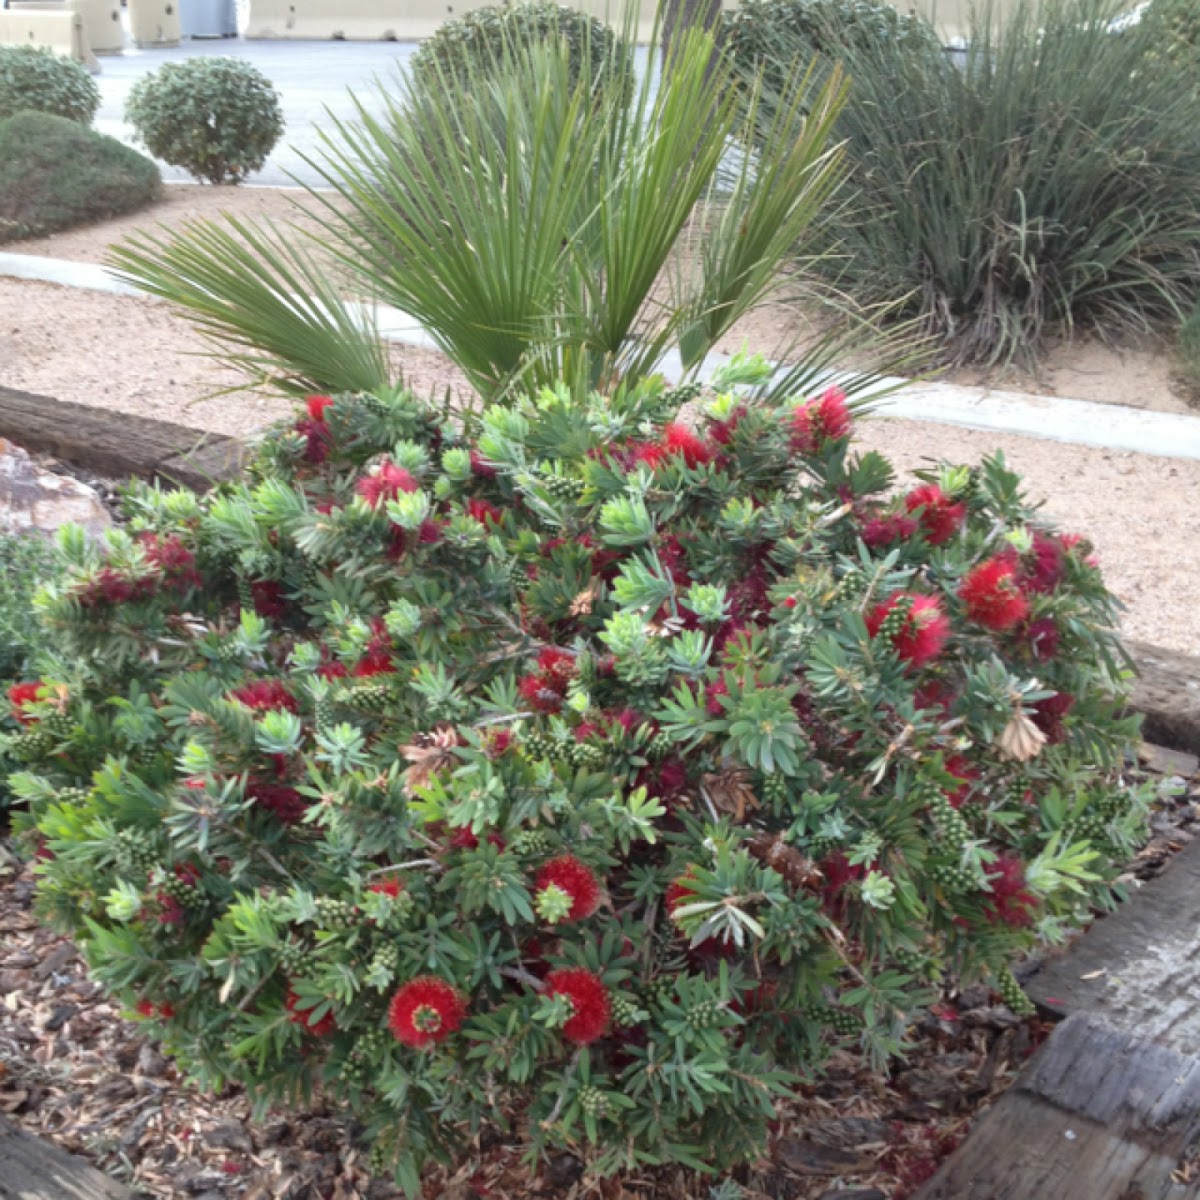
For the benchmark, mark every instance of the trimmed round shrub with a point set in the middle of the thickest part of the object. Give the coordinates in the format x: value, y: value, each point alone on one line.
x: 585, y: 769
x: 56, y: 174
x: 218, y: 118
x: 482, y: 40
x: 776, y: 36
x: 38, y: 80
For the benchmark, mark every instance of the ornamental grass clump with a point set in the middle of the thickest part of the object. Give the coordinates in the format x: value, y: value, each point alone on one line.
x: 1050, y: 184
x: 579, y: 767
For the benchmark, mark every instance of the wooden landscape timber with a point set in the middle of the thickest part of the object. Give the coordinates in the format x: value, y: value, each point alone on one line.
x: 118, y: 444
x: 31, y: 1169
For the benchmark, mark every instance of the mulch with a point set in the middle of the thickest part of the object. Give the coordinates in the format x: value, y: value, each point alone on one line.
x: 76, y: 1071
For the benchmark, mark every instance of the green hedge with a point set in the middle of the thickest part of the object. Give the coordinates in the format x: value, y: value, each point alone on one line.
x: 54, y: 174
x: 37, y: 80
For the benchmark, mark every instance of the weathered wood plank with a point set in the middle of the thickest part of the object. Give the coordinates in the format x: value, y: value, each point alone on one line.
x: 1099, y: 1114
x: 31, y: 1169
x: 1138, y: 967
x: 113, y: 443
x: 1167, y: 694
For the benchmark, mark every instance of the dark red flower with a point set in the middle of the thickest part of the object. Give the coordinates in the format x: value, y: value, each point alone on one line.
x: 480, y: 467
x: 263, y: 695
x: 1049, y: 714
x: 883, y: 529
x: 712, y: 697
x: 1043, y: 637
x: 962, y: 770
x: 590, y: 1005
x: 924, y: 633
x: 1009, y: 902
x: 284, y: 802
x: 302, y: 1016
x: 465, y: 838
x: 426, y: 1010
x: 387, y: 887
x: 385, y: 483
x: 146, y: 1008
x: 268, y: 598
x: 992, y: 595
x: 679, y: 892
x: 484, y: 512
x: 818, y: 422
x: 334, y: 669
x: 575, y: 880
x: 21, y: 694
x: 678, y: 439
x: 939, y: 516
x: 539, y: 695
x: 1047, y: 563
x: 722, y: 432
x: 557, y: 666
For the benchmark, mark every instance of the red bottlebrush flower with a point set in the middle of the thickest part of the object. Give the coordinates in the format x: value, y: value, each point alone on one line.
x: 818, y: 422
x: 265, y: 694
x: 556, y: 666
x: 884, y: 529
x: 722, y: 432
x: 333, y: 670
x: 302, y: 1016
x: 1047, y: 563
x: 839, y: 873
x: 678, y: 439
x: 268, y: 598
x: 925, y: 630
x: 316, y: 406
x: 679, y: 892
x: 21, y: 694
x: 574, y: 879
x: 426, y: 1010
x: 992, y: 595
x: 541, y: 696
x: 284, y: 802
x: 110, y: 587
x: 429, y: 533
x: 664, y: 781
x: 146, y: 1008
x: 934, y: 695
x: 590, y: 1005
x: 385, y: 483
x: 480, y: 467
x: 1010, y: 902
x: 938, y: 515
x: 376, y: 661
x: 484, y: 512
x: 464, y: 838
x: 712, y: 697
x: 1043, y: 637
x: 387, y: 887
x: 498, y: 742
x: 647, y: 453
x: 963, y: 770
x: 172, y: 558
x: 166, y: 1010
x: 1048, y: 716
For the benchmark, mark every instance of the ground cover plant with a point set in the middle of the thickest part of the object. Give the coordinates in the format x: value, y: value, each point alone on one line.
x: 218, y: 118
x: 1049, y: 184
x: 578, y: 768
x: 33, y: 79
x: 56, y: 174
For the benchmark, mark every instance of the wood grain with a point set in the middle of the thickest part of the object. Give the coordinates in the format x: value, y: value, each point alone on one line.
x: 31, y: 1169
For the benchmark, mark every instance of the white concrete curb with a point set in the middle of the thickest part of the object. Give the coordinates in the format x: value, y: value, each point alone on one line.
x: 1081, y: 422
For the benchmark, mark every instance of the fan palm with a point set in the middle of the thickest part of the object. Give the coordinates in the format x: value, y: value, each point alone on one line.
x: 531, y: 223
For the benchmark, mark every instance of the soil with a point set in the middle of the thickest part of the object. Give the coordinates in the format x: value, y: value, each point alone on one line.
x: 133, y: 355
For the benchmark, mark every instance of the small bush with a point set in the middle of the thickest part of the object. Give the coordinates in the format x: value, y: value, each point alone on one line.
x: 1051, y: 184
x: 1177, y: 25
x: 480, y: 42
x: 218, y: 118
x: 771, y: 35
x: 26, y: 562
x: 582, y: 770
x: 37, y: 80
x: 55, y: 174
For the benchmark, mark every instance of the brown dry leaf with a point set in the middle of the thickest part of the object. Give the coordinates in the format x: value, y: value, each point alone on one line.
x: 1021, y: 739
x: 581, y: 606
x: 429, y: 753
x: 772, y: 851
x: 730, y: 792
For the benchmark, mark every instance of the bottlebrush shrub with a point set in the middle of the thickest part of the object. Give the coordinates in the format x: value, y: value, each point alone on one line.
x: 592, y: 771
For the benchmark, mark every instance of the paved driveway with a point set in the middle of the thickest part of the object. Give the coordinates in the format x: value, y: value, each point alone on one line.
x: 310, y: 76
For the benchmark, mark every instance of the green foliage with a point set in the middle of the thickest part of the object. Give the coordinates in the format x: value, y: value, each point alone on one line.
x: 1187, y: 358
x: 605, y: 791
x: 1051, y: 183
x: 1177, y: 26
x: 218, y: 118
x: 56, y: 174
x: 26, y: 562
x: 536, y: 231
x: 33, y: 79
x: 477, y: 44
